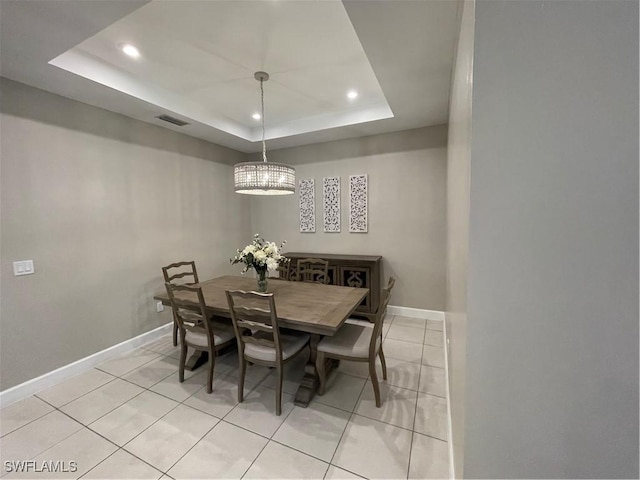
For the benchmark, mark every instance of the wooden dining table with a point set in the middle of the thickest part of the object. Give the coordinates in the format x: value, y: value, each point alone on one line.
x: 307, y: 307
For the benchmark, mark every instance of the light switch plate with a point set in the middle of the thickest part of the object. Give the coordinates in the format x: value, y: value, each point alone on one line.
x: 23, y: 267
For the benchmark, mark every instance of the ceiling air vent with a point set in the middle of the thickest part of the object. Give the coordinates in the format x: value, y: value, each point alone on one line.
x: 175, y: 121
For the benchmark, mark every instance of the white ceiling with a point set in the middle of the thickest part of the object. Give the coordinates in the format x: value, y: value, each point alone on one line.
x: 198, y: 59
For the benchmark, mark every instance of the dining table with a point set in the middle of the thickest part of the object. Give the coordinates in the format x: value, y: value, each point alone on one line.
x: 312, y: 308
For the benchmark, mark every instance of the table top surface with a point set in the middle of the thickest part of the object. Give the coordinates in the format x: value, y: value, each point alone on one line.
x: 308, y: 307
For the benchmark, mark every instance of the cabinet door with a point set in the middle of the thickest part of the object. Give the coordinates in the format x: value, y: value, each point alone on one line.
x: 359, y: 277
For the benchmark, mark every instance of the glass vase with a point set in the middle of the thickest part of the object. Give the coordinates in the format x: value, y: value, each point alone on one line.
x: 262, y: 281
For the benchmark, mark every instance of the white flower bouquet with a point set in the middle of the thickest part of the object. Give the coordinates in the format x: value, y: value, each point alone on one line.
x: 260, y: 255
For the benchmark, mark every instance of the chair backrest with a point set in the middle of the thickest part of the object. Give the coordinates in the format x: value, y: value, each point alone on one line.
x: 314, y: 270
x: 253, y: 311
x: 283, y: 268
x: 186, y: 272
x: 380, y: 314
x: 190, y: 310
x: 390, y: 284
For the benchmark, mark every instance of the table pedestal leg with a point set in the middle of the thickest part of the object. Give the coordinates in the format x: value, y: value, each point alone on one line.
x: 197, y: 359
x: 309, y: 385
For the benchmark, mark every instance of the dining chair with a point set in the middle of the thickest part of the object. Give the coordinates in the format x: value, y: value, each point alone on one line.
x: 284, y: 269
x: 359, y: 343
x: 183, y: 271
x: 260, y: 339
x: 390, y: 284
x: 359, y: 321
x: 196, y: 329
x: 313, y: 270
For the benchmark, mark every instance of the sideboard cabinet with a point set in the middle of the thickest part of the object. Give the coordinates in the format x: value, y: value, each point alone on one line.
x: 362, y: 271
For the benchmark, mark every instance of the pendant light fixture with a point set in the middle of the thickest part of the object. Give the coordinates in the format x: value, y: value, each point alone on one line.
x: 264, y: 178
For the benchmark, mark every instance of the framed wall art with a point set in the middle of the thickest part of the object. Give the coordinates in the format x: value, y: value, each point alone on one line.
x: 358, y: 191
x: 306, y: 189
x: 331, y: 204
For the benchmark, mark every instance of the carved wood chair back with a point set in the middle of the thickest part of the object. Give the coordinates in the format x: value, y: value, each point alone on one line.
x: 313, y: 270
x: 186, y: 273
x: 181, y: 273
x: 196, y: 330
x: 390, y: 284
x: 359, y: 343
x: 253, y: 312
x: 260, y: 341
x: 378, y: 323
x: 284, y: 269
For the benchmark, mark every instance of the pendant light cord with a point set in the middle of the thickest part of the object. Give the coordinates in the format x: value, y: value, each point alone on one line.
x: 264, y: 145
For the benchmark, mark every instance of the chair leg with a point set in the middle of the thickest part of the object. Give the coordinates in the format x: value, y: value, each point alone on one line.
x: 243, y: 368
x: 374, y: 380
x: 183, y: 360
x: 384, y: 364
x: 212, y: 364
x: 175, y: 333
x: 322, y: 375
x: 279, y: 391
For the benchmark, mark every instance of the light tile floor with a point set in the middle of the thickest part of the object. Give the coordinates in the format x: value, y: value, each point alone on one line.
x: 131, y: 418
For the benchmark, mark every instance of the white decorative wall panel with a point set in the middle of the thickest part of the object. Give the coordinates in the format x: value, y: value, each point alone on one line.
x: 358, y: 203
x: 306, y: 190
x: 331, y: 204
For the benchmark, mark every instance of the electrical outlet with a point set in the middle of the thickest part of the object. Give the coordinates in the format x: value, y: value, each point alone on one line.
x: 159, y: 307
x: 24, y: 267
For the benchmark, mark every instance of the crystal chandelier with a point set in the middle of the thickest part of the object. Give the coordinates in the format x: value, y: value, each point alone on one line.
x: 263, y: 178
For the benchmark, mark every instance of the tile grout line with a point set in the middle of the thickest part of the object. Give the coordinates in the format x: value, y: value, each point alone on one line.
x: 415, y: 412
x: 31, y: 421
x: 97, y: 367
x: 62, y: 439
x: 148, y: 389
x: 87, y: 426
x: 192, y: 446
x: 347, y: 426
x: 100, y: 462
x: 268, y: 440
x: 82, y: 395
x: 175, y: 407
x: 261, y: 383
x: 118, y: 447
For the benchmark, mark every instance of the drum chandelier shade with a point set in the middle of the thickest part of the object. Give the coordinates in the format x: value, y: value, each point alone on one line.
x: 263, y: 178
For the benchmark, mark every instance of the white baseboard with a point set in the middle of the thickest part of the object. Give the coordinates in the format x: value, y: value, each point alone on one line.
x: 452, y: 472
x: 416, y: 312
x: 13, y: 394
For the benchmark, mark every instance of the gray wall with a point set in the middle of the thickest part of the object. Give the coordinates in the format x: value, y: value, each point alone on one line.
x: 100, y: 201
x: 407, y: 207
x: 458, y: 166
x: 552, y: 365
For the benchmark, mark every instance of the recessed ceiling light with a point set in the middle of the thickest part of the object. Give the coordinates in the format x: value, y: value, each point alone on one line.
x: 256, y: 116
x: 129, y: 50
x: 352, y: 94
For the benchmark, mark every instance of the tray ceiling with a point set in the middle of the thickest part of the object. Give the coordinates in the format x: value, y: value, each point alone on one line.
x: 197, y: 60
